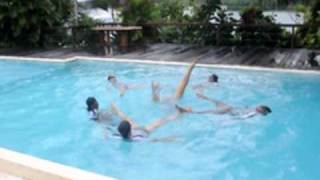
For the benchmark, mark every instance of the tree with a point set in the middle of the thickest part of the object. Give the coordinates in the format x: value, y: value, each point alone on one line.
x: 139, y: 11
x: 258, y: 29
x: 310, y: 33
x: 28, y: 23
x: 207, y: 13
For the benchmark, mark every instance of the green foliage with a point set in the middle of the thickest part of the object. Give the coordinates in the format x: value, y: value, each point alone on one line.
x: 264, y: 4
x: 212, y: 12
x: 139, y: 11
x: 207, y: 10
x: 258, y: 29
x: 105, y: 4
x: 176, y: 11
x: 86, y: 21
x: 205, y: 14
x: 84, y: 36
x: 172, y: 10
x: 30, y: 22
x: 310, y: 33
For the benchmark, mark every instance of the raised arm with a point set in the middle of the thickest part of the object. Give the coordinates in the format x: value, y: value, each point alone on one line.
x: 184, y: 83
x: 159, y: 123
x: 123, y: 116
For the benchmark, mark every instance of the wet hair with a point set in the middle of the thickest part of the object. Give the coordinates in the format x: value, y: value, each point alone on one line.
x: 213, y: 78
x: 111, y: 77
x: 90, y: 103
x: 125, y: 130
x: 266, y: 109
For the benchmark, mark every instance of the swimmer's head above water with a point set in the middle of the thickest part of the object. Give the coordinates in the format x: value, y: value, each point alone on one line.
x: 263, y: 110
x: 92, y: 104
x: 125, y: 130
x: 213, y: 78
x: 112, y: 79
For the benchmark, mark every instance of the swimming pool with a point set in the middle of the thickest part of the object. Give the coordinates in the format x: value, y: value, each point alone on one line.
x: 43, y: 114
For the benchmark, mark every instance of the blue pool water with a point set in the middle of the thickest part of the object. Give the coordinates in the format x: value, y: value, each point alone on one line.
x: 42, y: 113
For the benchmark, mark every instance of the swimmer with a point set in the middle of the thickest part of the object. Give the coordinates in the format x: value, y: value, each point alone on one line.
x: 181, y: 88
x: 120, y: 86
x: 222, y: 108
x: 102, y: 116
x: 212, y: 81
x: 129, y: 130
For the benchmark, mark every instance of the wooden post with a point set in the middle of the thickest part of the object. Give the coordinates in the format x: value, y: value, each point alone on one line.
x: 102, y: 41
x: 123, y: 41
x: 108, y: 43
x: 293, y: 37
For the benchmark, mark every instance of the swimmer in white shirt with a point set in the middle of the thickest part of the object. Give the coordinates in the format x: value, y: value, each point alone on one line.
x: 180, y: 90
x: 222, y: 108
x: 132, y: 132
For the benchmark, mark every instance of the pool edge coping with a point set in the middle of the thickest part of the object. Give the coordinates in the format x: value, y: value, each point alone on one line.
x: 160, y: 62
x: 32, y: 168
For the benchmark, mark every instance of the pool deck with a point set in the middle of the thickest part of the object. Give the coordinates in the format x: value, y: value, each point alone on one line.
x: 17, y: 166
x: 5, y: 176
x: 244, y: 56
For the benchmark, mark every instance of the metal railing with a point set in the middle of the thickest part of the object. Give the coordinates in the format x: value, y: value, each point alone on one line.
x: 231, y: 34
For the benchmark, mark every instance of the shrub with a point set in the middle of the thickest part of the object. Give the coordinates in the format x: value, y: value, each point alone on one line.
x: 258, y: 29
x: 137, y: 12
x: 175, y: 11
x: 32, y: 22
x: 310, y: 33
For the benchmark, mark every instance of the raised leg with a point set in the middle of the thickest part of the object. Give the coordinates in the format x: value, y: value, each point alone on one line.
x: 184, y: 83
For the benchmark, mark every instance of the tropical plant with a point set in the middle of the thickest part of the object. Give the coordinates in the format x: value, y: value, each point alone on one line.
x: 139, y: 12
x: 176, y: 11
x: 30, y: 23
x: 83, y: 36
x: 309, y: 34
x: 212, y: 12
x: 206, y: 14
x: 258, y: 29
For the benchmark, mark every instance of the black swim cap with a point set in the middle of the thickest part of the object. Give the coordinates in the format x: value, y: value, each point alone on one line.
x: 125, y: 129
x: 90, y: 102
x: 267, y: 109
x: 111, y: 77
x: 213, y: 78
